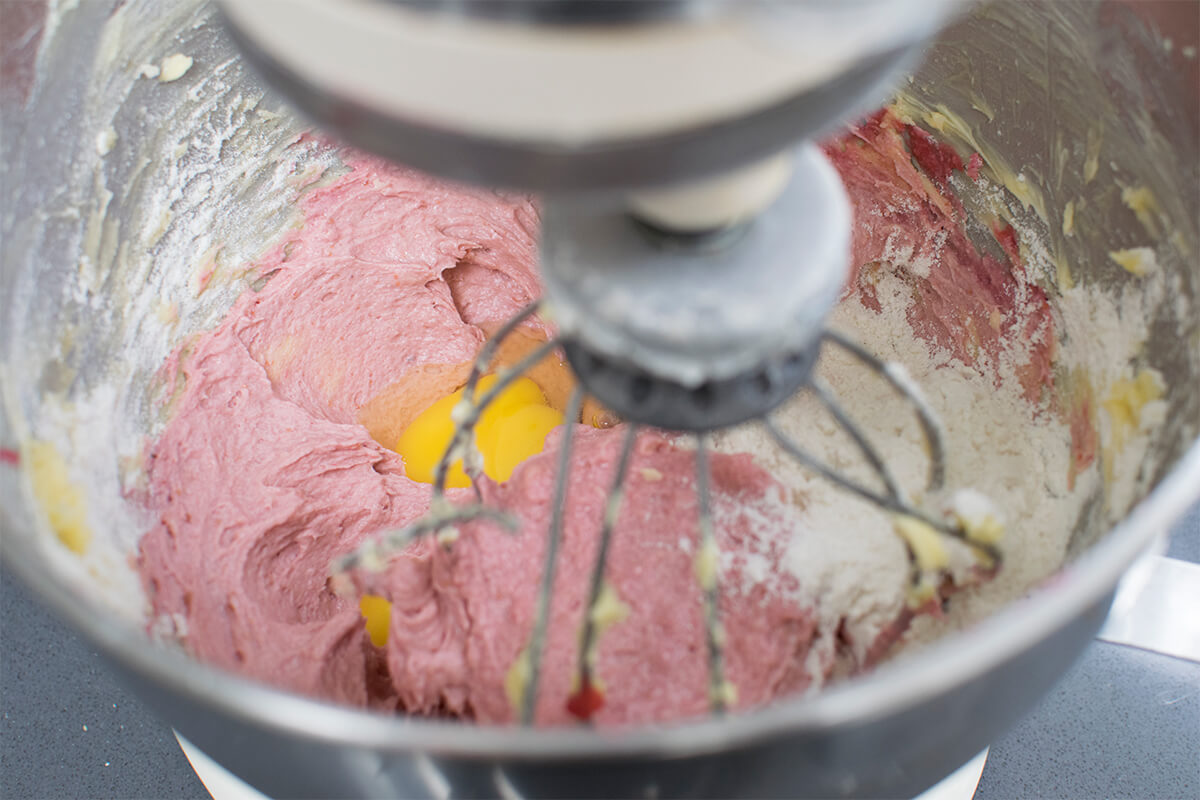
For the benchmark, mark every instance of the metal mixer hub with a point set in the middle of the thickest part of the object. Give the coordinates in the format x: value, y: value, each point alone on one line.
x: 698, y: 331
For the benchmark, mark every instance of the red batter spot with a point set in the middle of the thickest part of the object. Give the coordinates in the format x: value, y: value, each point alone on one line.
x: 585, y: 702
x: 1007, y: 237
x: 973, y: 165
x: 938, y: 159
x: 875, y: 118
x: 11, y: 457
x: 1084, y: 438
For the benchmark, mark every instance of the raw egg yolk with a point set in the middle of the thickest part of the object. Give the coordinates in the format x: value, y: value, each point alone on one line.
x: 511, y: 428
x: 378, y: 614
x: 425, y: 440
x: 519, y: 436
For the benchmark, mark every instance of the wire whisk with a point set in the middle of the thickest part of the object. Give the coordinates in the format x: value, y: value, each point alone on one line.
x: 922, y: 532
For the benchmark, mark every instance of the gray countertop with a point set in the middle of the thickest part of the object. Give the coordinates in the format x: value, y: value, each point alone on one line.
x: 1123, y: 723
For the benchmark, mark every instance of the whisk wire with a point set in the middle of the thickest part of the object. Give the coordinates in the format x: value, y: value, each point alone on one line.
x: 372, y: 554
x: 554, y: 538
x: 896, y: 504
x: 443, y: 518
x: 466, y: 414
x: 483, y: 360
x: 612, y: 510
x: 824, y: 394
x: 708, y: 574
x: 829, y: 473
x: 895, y: 375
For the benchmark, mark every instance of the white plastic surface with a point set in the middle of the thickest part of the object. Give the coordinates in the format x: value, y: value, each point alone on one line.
x: 224, y: 785
x: 1157, y: 608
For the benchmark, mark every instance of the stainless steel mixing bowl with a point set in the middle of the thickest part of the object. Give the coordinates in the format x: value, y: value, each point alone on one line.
x: 99, y: 232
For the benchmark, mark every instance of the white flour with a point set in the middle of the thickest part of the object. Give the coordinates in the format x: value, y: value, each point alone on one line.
x: 845, y: 552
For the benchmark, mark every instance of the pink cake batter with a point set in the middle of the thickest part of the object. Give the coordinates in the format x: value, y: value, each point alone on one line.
x: 268, y: 468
